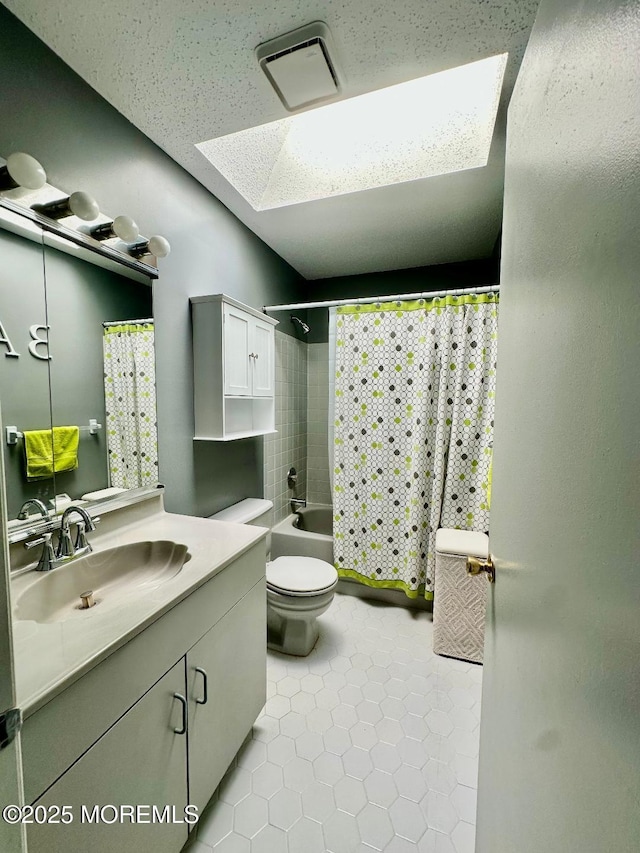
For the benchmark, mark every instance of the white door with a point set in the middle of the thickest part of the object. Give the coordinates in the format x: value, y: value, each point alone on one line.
x: 11, y: 792
x: 262, y: 348
x: 560, y: 735
x: 237, y: 340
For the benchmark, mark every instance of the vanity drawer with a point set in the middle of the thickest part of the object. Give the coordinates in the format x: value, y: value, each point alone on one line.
x: 62, y: 730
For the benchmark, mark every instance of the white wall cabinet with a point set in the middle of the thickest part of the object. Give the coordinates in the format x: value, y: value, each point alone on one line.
x: 234, y: 370
x: 115, y: 737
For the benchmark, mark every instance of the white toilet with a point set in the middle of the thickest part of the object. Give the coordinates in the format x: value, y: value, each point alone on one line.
x: 299, y: 589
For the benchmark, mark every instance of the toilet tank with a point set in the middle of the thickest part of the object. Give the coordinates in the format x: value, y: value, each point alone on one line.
x: 256, y: 511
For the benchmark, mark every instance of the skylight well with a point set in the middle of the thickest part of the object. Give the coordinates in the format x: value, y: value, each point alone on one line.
x: 430, y: 126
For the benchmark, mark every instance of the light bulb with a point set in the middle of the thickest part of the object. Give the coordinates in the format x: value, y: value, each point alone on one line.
x: 77, y: 204
x: 159, y: 246
x: 125, y: 228
x: 26, y: 171
x: 122, y: 226
x: 83, y: 206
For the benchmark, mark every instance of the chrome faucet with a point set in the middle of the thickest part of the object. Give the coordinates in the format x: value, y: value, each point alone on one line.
x: 23, y: 514
x: 297, y: 504
x: 48, y: 558
x: 66, y: 550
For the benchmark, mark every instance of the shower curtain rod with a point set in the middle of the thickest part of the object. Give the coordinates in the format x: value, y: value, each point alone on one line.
x: 368, y: 300
x: 121, y: 322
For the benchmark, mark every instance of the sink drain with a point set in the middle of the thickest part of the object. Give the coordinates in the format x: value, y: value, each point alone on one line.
x: 87, y: 600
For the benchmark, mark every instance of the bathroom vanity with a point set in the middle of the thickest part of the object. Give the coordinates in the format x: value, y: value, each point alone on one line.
x: 144, y: 699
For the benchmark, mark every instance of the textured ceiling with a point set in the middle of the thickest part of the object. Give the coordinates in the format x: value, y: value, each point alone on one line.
x: 185, y: 71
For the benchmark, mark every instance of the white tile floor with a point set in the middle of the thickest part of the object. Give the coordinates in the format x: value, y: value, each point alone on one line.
x: 369, y: 743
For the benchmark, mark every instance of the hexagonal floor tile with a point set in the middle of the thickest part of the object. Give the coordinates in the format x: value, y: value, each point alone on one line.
x: 250, y: 816
x: 380, y: 788
x: 369, y: 743
x: 341, y: 833
x: 407, y: 819
x: 285, y: 808
x: 350, y: 795
x: 375, y: 826
x: 318, y: 801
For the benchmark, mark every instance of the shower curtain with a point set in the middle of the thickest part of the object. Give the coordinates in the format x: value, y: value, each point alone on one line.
x: 130, y: 399
x: 413, y: 431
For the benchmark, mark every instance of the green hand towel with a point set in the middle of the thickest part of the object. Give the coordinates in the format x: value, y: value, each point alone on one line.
x: 51, y: 451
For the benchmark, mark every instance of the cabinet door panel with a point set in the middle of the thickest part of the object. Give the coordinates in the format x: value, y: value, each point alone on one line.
x: 233, y: 656
x: 139, y: 761
x: 237, y: 364
x: 263, y: 371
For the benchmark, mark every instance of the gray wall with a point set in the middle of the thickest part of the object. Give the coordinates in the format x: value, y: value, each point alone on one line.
x: 560, y: 736
x: 79, y: 296
x: 86, y: 144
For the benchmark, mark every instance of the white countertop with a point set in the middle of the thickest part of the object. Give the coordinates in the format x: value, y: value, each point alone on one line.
x: 51, y: 656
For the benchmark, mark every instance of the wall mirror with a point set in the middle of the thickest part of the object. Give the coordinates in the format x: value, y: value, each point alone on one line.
x: 77, y: 373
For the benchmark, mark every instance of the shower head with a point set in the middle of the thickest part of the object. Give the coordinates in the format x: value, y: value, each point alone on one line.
x: 302, y: 325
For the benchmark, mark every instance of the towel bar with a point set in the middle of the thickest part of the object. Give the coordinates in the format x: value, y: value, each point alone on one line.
x: 12, y: 433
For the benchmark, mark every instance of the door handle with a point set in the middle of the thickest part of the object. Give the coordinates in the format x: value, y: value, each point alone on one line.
x: 476, y: 567
x: 183, y: 702
x: 205, y: 686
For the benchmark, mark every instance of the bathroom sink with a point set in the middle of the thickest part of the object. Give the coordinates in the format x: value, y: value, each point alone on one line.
x: 112, y: 575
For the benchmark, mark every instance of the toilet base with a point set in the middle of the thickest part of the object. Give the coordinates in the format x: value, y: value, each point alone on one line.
x: 291, y: 636
x: 292, y: 626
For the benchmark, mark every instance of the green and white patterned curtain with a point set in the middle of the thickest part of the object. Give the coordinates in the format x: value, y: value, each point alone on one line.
x: 414, y: 400
x: 130, y: 399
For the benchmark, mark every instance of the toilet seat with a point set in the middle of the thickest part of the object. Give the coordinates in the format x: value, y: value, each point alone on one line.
x: 300, y: 576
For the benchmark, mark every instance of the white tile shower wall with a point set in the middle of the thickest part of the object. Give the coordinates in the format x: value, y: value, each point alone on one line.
x: 319, y: 487
x: 288, y: 448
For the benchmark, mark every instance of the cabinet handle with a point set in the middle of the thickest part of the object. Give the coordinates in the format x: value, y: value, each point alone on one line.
x: 205, y: 691
x: 183, y: 702
x: 256, y: 356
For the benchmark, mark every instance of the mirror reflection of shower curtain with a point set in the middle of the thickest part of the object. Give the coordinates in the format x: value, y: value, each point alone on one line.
x: 130, y: 400
x: 414, y: 398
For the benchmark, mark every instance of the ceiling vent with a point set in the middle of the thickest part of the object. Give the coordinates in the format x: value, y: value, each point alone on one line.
x: 299, y: 66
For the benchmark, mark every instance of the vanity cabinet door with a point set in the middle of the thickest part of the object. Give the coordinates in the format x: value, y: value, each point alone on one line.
x: 227, y: 684
x: 138, y: 761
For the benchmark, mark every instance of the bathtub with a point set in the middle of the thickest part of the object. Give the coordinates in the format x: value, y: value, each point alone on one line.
x: 306, y: 533
x: 309, y: 533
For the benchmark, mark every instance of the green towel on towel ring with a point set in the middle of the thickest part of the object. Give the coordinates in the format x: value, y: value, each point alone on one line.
x: 51, y: 451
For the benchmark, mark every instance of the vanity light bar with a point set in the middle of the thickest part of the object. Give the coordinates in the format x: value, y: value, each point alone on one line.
x: 25, y: 175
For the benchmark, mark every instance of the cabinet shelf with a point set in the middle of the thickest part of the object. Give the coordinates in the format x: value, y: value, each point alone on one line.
x: 236, y: 435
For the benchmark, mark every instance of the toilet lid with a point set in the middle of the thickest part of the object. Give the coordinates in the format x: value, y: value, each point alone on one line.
x: 300, y: 575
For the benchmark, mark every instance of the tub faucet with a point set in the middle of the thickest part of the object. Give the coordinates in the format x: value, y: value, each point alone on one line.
x: 297, y: 504
x: 24, y: 514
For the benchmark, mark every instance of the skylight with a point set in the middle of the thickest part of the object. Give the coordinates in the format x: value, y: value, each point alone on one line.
x: 430, y: 126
